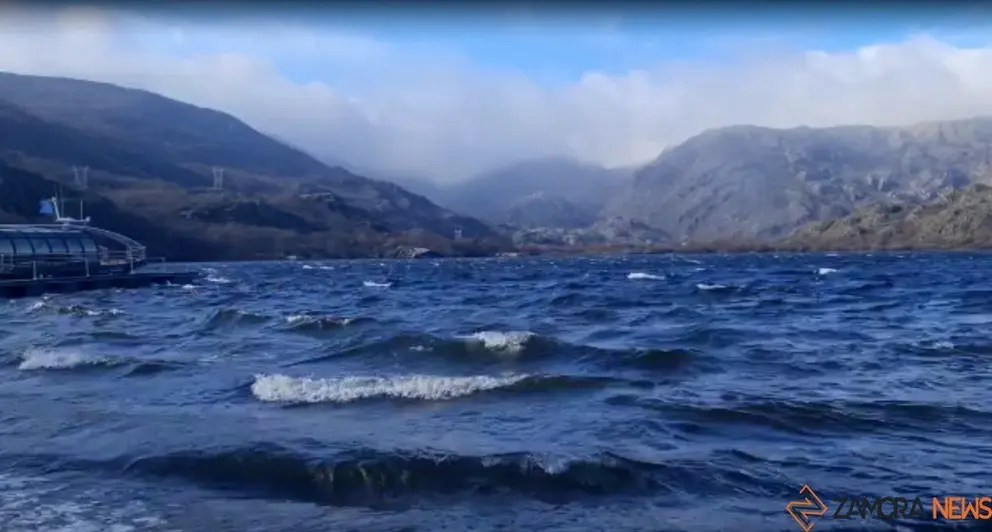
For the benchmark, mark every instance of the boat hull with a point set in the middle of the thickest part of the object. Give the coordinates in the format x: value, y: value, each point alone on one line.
x: 15, y: 288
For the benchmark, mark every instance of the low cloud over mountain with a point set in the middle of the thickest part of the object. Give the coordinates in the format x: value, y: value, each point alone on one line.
x: 429, y: 100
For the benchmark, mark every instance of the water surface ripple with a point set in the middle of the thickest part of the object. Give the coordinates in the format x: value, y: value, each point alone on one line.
x: 615, y: 393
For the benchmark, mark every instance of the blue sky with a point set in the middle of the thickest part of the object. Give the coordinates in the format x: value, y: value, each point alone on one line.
x: 557, y: 47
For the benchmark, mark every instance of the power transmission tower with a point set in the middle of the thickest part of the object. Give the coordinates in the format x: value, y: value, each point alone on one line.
x: 218, y: 178
x: 81, y: 174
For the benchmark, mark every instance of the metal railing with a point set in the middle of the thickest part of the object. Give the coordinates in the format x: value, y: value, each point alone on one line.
x: 135, y: 250
x: 40, y: 263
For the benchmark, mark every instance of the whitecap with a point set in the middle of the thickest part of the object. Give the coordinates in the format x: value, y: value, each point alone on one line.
x: 34, y: 359
x: 109, y: 312
x: 509, y: 341
x: 297, y: 318
x: 373, y: 284
x: 826, y: 271
x: 285, y: 389
x: 644, y: 276
x: 708, y: 287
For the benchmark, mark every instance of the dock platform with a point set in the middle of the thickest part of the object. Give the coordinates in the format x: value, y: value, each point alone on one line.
x: 15, y: 288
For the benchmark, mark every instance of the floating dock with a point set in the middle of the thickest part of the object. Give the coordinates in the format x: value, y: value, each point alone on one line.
x: 72, y: 256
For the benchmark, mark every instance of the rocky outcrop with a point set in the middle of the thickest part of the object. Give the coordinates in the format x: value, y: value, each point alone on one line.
x: 957, y: 219
x: 409, y: 252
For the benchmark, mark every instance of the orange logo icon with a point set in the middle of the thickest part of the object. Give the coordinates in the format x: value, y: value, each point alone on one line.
x: 810, y: 506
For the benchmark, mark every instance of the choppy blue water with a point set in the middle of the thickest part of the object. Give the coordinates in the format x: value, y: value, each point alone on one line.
x: 621, y: 394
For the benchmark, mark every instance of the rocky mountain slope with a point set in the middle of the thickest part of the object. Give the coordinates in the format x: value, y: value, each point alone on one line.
x: 958, y: 219
x: 152, y: 158
x: 747, y: 182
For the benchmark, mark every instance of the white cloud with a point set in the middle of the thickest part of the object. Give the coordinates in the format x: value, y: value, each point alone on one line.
x: 433, y: 112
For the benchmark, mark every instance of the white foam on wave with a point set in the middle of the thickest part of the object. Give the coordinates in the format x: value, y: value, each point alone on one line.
x: 508, y: 341
x: 35, y: 359
x: 217, y: 279
x: 307, y: 267
x: 109, y: 312
x: 73, y: 309
x: 297, y: 319
x: 708, y: 287
x: 826, y: 271
x: 644, y: 276
x: 280, y: 388
x: 373, y: 284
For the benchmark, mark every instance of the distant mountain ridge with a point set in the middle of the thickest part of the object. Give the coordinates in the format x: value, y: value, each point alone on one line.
x: 544, y: 192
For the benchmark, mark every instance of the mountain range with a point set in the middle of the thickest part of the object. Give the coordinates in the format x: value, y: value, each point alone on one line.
x: 153, y: 158
x: 744, y: 183
x: 152, y: 161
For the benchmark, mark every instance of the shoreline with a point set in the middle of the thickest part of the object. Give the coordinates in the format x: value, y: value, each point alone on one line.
x: 621, y: 250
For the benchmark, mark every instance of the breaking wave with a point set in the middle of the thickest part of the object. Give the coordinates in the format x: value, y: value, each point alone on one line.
x: 521, y: 346
x: 513, y: 342
x: 644, y: 276
x: 227, y: 317
x: 366, y: 476
x: 280, y: 388
x: 307, y: 323
x: 283, y: 388
x: 35, y: 359
x: 74, y: 310
x: 71, y: 359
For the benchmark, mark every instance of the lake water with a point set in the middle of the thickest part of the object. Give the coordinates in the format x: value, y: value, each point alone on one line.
x: 614, y: 393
